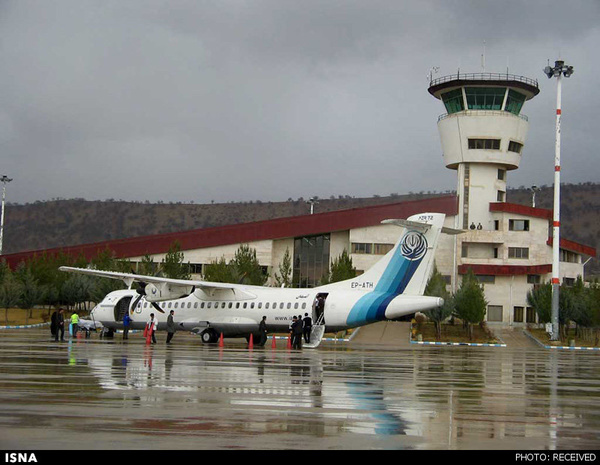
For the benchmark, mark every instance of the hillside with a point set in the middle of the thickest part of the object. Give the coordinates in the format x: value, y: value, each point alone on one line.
x: 59, y: 223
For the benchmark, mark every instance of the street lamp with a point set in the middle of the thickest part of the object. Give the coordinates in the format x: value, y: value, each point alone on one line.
x: 312, y: 202
x: 559, y: 70
x: 533, y: 189
x: 5, y: 179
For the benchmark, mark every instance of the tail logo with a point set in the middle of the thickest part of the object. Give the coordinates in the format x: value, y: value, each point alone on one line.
x: 413, y: 246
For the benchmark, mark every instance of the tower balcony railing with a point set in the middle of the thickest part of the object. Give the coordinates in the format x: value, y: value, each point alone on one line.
x: 483, y: 77
x: 484, y: 113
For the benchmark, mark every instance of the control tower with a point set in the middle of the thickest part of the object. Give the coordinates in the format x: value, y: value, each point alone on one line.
x: 483, y: 135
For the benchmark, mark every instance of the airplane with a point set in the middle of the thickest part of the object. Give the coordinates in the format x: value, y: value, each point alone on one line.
x: 392, y: 288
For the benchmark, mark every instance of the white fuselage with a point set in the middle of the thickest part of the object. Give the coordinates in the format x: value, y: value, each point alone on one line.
x: 232, y: 316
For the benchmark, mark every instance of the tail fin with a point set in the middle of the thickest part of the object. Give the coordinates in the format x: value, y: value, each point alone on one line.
x: 407, y: 267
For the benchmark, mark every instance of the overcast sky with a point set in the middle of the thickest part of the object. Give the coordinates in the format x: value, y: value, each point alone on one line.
x: 231, y: 100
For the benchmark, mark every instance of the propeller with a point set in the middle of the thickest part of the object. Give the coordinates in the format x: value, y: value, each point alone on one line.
x: 141, y: 290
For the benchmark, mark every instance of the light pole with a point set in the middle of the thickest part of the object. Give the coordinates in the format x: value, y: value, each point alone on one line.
x: 559, y: 70
x: 533, y: 189
x: 5, y: 179
x: 312, y: 202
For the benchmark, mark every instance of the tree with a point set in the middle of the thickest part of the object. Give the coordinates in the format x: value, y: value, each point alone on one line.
x: 284, y: 278
x: 340, y: 270
x: 436, y: 286
x: 147, y: 267
x: 10, y: 292
x: 172, y: 265
x: 469, y: 302
x: 246, y: 266
x: 31, y: 291
x: 218, y: 271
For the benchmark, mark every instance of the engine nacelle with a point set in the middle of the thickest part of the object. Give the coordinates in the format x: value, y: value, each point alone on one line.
x: 164, y: 291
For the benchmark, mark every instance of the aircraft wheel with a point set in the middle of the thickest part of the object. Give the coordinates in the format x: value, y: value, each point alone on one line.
x: 208, y: 336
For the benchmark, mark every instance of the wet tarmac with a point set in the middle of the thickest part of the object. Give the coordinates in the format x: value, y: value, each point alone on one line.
x: 111, y: 394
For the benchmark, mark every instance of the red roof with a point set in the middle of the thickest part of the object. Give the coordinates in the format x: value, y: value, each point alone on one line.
x: 295, y: 226
x: 574, y: 246
x: 521, y: 210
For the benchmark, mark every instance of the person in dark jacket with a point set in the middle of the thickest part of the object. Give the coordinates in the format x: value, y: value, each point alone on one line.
x: 297, y: 333
x: 60, y: 325
x: 170, y: 327
x: 307, y: 326
x: 262, y: 330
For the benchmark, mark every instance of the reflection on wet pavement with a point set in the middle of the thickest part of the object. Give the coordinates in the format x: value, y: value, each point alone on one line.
x: 110, y: 394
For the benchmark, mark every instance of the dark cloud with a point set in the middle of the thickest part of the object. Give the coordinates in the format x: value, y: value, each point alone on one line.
x: 232, y: 100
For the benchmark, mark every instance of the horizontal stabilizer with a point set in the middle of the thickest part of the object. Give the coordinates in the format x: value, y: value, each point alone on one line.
x: 421, y: 227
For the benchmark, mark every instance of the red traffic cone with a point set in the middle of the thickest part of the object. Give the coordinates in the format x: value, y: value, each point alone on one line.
x: 273, y: 344
x: 289, y: 345
x: 221, y: 344
x: 251, y: 342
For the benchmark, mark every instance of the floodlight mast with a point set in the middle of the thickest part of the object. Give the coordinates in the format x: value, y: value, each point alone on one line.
x: 5, y: 179
x: 559, y: 70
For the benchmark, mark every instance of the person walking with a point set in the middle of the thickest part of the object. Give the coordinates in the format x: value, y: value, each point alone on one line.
x: 151, y: 328
x: 126, y: 324
x: 262, y: 330
x: 306, y: 327
x: 60, y: 325
x: 170, y: 326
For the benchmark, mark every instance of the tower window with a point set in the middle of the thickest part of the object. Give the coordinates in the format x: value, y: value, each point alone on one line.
x: 501, y: 175
x: 453, y: 101
x: 518, y: 225
x: 514, y: 102
x: 484, y: 144
x: 515, y: 147
x: 485, y: 98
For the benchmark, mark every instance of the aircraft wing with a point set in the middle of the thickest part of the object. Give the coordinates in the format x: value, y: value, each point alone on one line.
x: 130, y: 278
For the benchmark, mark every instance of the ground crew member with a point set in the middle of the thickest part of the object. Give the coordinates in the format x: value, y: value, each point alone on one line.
x: 74, y: 323
x: 170, y: 326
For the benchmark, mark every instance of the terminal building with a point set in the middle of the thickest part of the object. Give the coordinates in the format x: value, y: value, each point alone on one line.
x: 508, y: 246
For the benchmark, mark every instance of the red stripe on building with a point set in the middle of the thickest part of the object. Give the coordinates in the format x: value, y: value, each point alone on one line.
x: 305, y: 225
x: 574, y: 246
x: 505, y: 270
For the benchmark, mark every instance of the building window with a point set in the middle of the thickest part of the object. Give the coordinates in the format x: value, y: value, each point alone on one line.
x: 311, y: 260
x: 515, y: 147
x: 486, y: 278
x: 514, y: 102
x: 464, y: 250
x: 518, y: 252
x: 530, y: 315
x: 362, y: 248
x: 382, y: 249
x: 484, y: 144
x: 485, y: 98
x: 494, y: 313
x: 569, y: 257
x: 569, y: 282
x: 453, y: 101
x: 518, y: 225
x: 496, y: 225
x: 501, y: 175
x: 518, y: 314
x: 534, y: 279
x: 501, y: 197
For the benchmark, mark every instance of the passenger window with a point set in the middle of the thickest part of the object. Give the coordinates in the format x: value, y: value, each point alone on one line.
x: 209, y: 305
x: 170, y: 304
x: 245, y: 304
x: 230, y: 305
x: 281, y: 305
x: 289, y: 305
x: 260, y: 305
x: 223, y: 305
x: 267, y: 305
x: 237, y: 305
x: 252, y: 305
x: 303, y: 305
x: 296, y: 306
